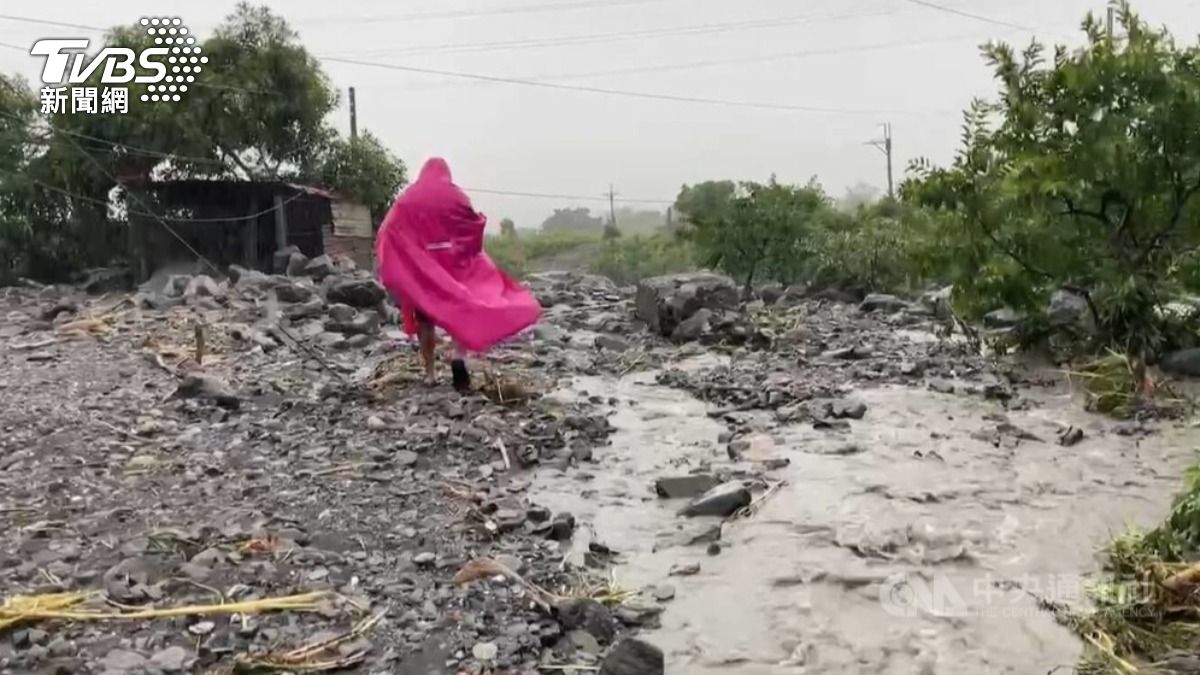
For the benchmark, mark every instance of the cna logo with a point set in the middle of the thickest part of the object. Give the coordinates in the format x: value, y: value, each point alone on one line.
x: 911, y: 595
x: 167, y: 69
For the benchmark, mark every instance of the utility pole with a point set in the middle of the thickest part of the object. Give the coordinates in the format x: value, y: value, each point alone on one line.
x: 612, y: 206
x: 353, y: 116
x: 884, y: 145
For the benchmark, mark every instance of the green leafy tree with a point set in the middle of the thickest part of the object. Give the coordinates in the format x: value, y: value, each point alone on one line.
x: 704, y: 200
x: 1083, y: 175
x: 508, y: 228
x: 761, y: 233
x: 363, y: 169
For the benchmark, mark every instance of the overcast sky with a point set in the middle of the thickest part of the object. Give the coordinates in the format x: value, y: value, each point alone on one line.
x: 853, y: 64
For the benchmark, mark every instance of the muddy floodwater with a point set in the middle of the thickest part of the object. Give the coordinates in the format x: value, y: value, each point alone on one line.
x: 893, y: 544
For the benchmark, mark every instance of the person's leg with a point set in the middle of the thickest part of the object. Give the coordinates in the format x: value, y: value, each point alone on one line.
x: 458, y: 369
x: 428, y: 343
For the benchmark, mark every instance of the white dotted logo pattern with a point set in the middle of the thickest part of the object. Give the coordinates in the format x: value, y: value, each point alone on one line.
x: 186, y: 60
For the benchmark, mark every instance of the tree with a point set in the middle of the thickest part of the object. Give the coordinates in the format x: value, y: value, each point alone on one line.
x: 704, y: 200
x: 363, y: 169
x: 1083, y: 176
x: 573, y: 220
x: 508, y: 228
x: 761, y: 232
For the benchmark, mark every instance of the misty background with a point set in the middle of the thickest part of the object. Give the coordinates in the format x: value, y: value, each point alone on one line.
x: 851, y: 65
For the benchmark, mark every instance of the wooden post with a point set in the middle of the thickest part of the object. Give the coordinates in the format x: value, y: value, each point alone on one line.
x: 250, y: 239
x: 199, y: 333
x: 281, y: 229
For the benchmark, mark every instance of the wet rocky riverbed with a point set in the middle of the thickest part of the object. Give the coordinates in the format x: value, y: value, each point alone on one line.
x: 303, y: 454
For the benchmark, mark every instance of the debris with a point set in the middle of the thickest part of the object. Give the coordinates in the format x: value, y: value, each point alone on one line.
x: 723, y: 500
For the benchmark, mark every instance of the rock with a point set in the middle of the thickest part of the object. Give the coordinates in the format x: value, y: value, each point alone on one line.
x: 856, y: 353
x: 291, y: 292
x: 360, y: 293
x: 685, y: 487
x: 714, y: 548
x: 882, y: 301
x: 839, y: 295
x: 424, y: 559
x: 588, y: 615
x: 1183, y: 362
x: 340, y: 313
x: 313, y: 307
x: 562, y: 527
x: 123, y: 661
x: 107, y: 280
x: 172, y: 659
x: 685, y: 570
x: 279, y: 262
x: 722, y: 501
x: 770, y: 293
x: 853, y: 410
x: 367, y: 323
x: 634, y: 657
x: 1069, y: 310
x: 1070, y: 436
x: 548, y: 332
x: 177, y: 285
x: 320, y: 267
x: 537, y: 514
x: 203, y: 386
x: 201, y: 628
x: 664, y: 593
x: 1005, y: 317
x: 485, y: 651
x: 611, y: 343
x: 584, y: 641
x: 694, y: 327
x: 297, y: 261
x: 663, y: 302
x: 405, y: 458
x: 374, y: 423
x: 251, y: 279
x: 201, y: 286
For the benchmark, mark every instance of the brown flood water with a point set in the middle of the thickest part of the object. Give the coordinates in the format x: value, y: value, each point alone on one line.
x: 797, y: 587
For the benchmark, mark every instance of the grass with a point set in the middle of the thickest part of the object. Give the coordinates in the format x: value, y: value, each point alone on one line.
x: 625, y: 260
x: 1148, y: 609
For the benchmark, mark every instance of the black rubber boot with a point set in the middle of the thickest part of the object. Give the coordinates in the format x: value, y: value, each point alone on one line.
x: 462, y: 379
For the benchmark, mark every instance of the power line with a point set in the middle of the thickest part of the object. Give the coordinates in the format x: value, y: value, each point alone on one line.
x: 603, y: 90
x: 546, y: 195
x: 468, y: 14
x: 47, y: 22
x: 970, y: 15
x: 592, y: 38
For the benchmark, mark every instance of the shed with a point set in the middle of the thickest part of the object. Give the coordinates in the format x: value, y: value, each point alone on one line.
x: 228, y: 222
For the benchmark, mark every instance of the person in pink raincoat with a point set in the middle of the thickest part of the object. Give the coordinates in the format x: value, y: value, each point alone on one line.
x: 430, y: 259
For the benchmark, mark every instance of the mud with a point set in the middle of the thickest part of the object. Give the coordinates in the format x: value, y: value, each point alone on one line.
x: 924, y: 489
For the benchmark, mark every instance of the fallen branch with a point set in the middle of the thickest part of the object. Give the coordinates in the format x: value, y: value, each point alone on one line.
x: 27, y: 608
x: 504, y: 453
x: 35, y: 345
x: 486, y: 568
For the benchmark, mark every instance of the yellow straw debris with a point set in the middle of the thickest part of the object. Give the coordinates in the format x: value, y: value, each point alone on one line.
x: 29, y: 608
x: 308, y: 659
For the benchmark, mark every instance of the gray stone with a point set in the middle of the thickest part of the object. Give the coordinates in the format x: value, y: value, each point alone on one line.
x: 1069, y: 310
x: 882, y: 301
x: 664, y: 592
x: 685, y: 570
x: 172, y: 659
x: 485, y: 651
x: 611, y: 343
x: 548, y: 332
x: 291, y: 292
x: 424, y: 559
x: 123, y: 661
x: 320, y: 267
x: 107, y: 280
x: 634, y: 657
x: 685, y: 487
x: 770, y: 293
x: 853, y: 410
x: 367, y: 323
x: 208, y: 387
x: 313, y: 307
x: 584, y: 641
x: 722, y: 501
x: 1005, y: 317
x: 201, y: 286
x: 663, y: 302
x: 297, y: 261
x: 405, y: 457
x: 1183, y: 362
x: 279, y: 262
x: 176, y: 285
x: 342, y: 313
x: 360, y: 293
x: 694, y: 327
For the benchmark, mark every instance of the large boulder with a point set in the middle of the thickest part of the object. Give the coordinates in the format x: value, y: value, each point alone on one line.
x: 297, y: 262
x: 360, y: 293
x: 279, y: 262
x: 201, y: 286
x: 320, y: 267
x: 634, y: 657
x: 882, y: 301
x: 292, y: 292
x: 1069, y: 310
x: 1183, y: 362
x: 664, y: 302
x: 107, y: 280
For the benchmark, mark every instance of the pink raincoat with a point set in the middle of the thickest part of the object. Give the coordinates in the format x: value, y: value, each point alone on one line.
x: 430, y: 258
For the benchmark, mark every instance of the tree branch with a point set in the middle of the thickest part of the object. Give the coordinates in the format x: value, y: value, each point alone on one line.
x: 237, y: 160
